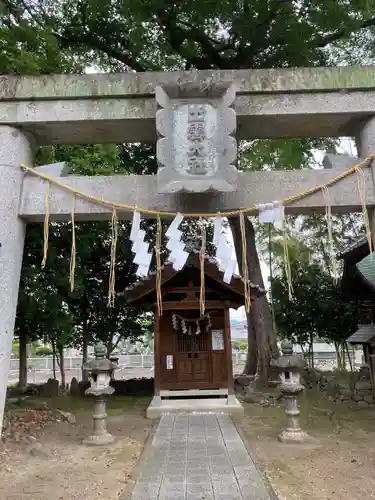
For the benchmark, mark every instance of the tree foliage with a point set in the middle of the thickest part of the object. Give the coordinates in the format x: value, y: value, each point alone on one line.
x: 317, y: 306
x: 51, y: 36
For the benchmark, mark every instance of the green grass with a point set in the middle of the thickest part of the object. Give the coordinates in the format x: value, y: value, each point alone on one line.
x: 318, y: 415
x: 116, y: 404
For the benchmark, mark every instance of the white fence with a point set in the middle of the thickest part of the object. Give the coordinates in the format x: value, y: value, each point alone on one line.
x: 125, y: 361
x: 40, y: 369
x: 138, y: 365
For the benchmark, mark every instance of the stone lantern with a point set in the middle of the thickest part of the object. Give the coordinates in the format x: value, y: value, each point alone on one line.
x: 289, y: 367
x: 100, y: 371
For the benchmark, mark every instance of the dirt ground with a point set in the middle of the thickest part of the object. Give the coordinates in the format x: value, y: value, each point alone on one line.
x: 338, y: 464
x: 62, y: 468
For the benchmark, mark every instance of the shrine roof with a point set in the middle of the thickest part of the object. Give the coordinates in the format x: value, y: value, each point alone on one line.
x: 353, y: 285
x: 145, y: 286
x: 358, y: 249
x: 364, y: 335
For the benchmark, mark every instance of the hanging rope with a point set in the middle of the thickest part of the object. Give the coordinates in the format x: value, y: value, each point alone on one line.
x: 112, y: 268
x: 231, y: 213
x: 73, y: 249
x: 46, y: 223
x: 194, y: 320
x: 202, y: 255
x: 241, y: 212
x: 159, y: 300
x: 288, y: 271
x: 362, y: 194
x: 332, y: 259
x: 245, y: 271
x: 271, y: 275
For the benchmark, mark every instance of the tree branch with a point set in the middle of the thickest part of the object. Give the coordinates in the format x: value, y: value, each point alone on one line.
x: 178, y: 32
x: 91, y: 42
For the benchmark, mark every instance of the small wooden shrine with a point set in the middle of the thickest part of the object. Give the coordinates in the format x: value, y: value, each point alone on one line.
x: 357, y: 285
x: 193, y: 353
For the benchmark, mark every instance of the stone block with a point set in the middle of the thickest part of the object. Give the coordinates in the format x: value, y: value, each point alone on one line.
x: 83, y: 386
x: 50, y: 388
x: 362, y: 404
x: 344, y: 388
x: 363, y: 385
x: 240, y: 382
x: 134, y: 386
x: 74, y: 388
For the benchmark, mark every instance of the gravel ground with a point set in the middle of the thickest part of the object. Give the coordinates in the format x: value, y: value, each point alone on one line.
x: 61, y: 468
x: 338, y: 464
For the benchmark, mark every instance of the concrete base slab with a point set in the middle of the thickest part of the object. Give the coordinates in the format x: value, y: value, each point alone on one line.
x: 230, y: 406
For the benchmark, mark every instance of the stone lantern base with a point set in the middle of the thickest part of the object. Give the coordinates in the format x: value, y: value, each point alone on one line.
x: 99, y: 440
x: 293, y: 432
x: 293, y: 436
x: 100, y: 434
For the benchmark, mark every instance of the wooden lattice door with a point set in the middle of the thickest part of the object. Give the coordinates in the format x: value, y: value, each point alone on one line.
x: 193, y: 361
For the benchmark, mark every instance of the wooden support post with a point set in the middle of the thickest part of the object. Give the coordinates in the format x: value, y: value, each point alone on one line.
x: 157, y: 355
x: 228, y: 350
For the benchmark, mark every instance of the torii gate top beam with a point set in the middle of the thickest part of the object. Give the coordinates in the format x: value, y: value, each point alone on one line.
x: 307, y: 102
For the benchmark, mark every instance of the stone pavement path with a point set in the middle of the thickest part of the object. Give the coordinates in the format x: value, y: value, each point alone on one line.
x: 198, y: 457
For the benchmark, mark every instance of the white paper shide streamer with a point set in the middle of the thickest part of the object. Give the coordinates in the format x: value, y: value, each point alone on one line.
x: 176, y: 247
x: 272, y: 213
x: 224, y: 251
x: 140, y: 247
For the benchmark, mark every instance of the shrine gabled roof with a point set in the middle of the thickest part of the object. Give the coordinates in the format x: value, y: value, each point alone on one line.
x: 354, y: 285
x: 357, y: 246
x: 147, y: 285
x: 363, y: 335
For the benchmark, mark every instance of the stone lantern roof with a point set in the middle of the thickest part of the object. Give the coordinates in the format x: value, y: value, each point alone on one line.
x: 101, y: 364
x: 289, y: 361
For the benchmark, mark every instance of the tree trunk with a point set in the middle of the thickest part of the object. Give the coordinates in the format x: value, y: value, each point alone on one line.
x: 54, y: 358
x: 61, y: 363
x: 251, y: 359
x: 349, y: 357
x: 338, y: 355
x: 109, y: 348
x: 259, y: 319
x: 22, y: 375
x: 85, y: 346
x: 311, y: 348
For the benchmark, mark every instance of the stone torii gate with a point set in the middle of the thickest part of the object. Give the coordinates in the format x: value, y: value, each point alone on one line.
x: 119, y: 108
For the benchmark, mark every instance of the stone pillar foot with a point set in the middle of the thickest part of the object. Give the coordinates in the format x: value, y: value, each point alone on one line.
x: 156, y: 401
x: 100, y: 440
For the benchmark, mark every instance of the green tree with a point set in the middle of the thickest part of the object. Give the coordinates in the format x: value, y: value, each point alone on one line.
x: 317, y: 309
x: 158, y: 34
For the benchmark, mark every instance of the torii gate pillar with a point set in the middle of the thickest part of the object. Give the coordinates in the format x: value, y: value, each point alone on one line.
x: 15, y: 149
x: 365, y: 142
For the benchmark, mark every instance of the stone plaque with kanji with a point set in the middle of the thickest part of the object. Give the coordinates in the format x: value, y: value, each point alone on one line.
x: 196, y: 148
